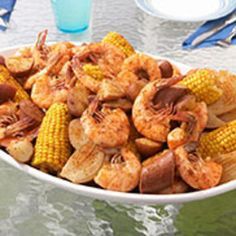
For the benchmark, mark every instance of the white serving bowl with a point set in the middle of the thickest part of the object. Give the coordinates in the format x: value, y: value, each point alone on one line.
x: 133, y: 198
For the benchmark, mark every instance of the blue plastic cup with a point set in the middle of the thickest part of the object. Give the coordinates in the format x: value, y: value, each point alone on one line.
x: 72, y: 16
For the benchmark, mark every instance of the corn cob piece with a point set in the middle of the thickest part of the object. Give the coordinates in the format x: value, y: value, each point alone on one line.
x: 52, y: 148
x: 120, y: 42
x: 5, y: 77
x: 203, y: 84
x: 94, y: 71
x: 219, y: 141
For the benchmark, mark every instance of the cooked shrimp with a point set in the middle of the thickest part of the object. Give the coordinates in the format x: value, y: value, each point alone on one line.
x: 40, y: 51
x: 22, y: 122
x: 176, y: 138
x: 52, y: 84
x: 201, y: 115
x: 120, y: 172
x: 190, y: 130
x: 104, y: 126
x: 8, y: 116
x: 106, y: 56
x: 155, y: 107
x: 55, y: 64
x: 6, y: 121
x: 27, y: 117
x: 47, y: 91
x: 136, y: 72
x: 43, y: 53
x: 196, y: 172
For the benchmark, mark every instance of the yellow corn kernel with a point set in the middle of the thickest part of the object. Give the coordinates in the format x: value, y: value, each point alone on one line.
x: 5, y: 77
x: 52, y: 148
x: 120, y: 42
x: 94, y: 71
x: 204, y: 85
x: 219, y: 141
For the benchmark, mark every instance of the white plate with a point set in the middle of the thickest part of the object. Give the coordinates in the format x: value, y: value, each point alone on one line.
x: 112, y: 195
x: 187, y: 10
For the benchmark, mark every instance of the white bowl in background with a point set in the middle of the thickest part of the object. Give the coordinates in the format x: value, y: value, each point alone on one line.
x: 187, y: 10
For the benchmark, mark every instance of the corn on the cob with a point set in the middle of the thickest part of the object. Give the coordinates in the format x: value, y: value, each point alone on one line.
x: 94, y: 71
x: 219, y: 141
x: 5, y: 77
x: 120, y: 42
x: 203, y: 84
x: 52, y: 148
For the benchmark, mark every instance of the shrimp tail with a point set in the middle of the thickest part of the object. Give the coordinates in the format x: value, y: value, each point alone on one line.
x: 42, y: 36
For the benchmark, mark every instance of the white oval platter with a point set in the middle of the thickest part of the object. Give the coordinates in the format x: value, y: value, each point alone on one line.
x: 93, y: 192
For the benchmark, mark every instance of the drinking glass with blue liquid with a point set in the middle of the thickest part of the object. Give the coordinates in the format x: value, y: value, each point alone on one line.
x: 72, y: 16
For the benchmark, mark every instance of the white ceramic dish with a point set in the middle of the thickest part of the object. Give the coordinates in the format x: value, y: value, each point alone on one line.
x: 97, y: 193
x: 187, y: 10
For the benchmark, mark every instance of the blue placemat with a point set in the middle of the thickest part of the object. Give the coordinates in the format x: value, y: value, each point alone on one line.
x: 214, y: 38
x: 9, y: 6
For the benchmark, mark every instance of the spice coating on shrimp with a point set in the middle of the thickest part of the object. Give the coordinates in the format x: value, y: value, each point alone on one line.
x: 137, y: 71
x: 104, y: 126
x: 19, y: 121
x: 52, y: 84
x: 150, y: 119
x: 189, y: 131
x: 120, y: 172
x: 107, y: 57
x: 196, y: 172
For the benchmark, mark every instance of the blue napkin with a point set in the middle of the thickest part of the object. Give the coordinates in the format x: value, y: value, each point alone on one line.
x: 8, y: 5
x: 214, y: 38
